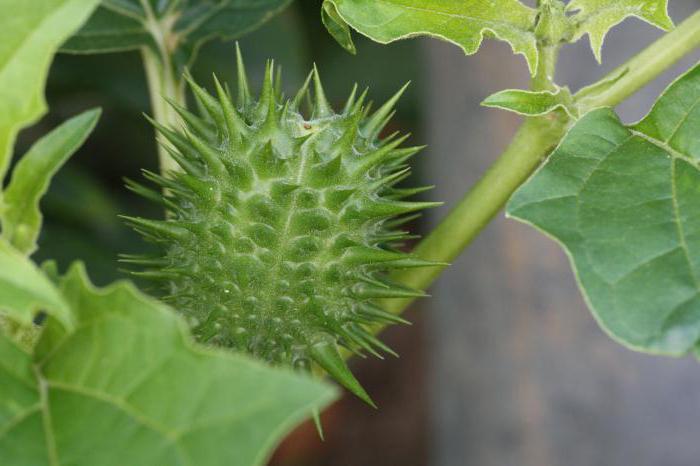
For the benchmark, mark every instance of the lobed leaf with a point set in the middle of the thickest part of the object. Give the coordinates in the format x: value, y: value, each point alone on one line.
x: 128, y: 387
x: 597, y: 17
x: 30, y: 34
x: 19, y: 215
x: 625, y: 204
x: 464, y: 23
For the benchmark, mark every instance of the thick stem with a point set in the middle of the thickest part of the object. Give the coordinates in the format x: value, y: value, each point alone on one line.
x: 535, y: 138
x: 164, y: 82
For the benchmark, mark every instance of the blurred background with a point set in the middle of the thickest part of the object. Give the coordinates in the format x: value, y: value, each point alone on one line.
x: 504, y: 365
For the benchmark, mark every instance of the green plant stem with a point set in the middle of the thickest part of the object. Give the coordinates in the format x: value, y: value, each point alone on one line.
x: 164, y: 82
x: 643, y: 68
x: 532, y: 142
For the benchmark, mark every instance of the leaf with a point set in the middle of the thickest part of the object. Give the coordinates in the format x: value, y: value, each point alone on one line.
x: 128, y: 387
x: 24, y: 291
x: 530, y: 103
x: 337, y: 27
x: 109, y: 31
x: 225, y: 19
x: 463, y: 23
x: 20, y: 216
x: 120, y: 25
x: 625, y: 204
x: 597, y: 17
x: 30, y: 34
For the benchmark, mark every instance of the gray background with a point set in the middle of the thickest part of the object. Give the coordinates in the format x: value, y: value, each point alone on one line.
x: 522, y: 373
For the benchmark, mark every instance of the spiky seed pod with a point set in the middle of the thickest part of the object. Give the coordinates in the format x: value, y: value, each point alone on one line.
x: 281, y: 229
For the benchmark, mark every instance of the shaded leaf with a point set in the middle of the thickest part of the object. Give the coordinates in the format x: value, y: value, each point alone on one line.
x: 24, y: 290
x: 597, y: 17
x: 530, y: 103
x: 125, y: 24
x: 464, y: 23
x: 30, y: 34
x: 19, y: 215
x: 337, y: 27
x: 625, y: 204
x: 109, y: 31
x: 128, y: 387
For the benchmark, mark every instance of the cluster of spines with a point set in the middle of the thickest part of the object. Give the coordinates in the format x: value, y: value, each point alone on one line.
x: 280, y: 229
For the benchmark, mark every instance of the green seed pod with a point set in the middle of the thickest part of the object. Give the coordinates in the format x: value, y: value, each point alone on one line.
x: 281, y: 229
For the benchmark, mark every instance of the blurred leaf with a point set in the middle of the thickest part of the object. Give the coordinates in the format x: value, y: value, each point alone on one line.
x: 20, y: 216
x: 128, y: 387
x: 30, y: 34
x: 109, y: 31
x: 337, y: 27
x: 530, y: 103
x: 125, y: 24
x: 464, y: 23
x: 625, y: 204
x: 597, y: 17
x: 24, y: 291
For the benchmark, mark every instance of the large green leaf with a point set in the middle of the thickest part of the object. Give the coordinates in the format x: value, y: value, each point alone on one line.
x: 463, y: 22
x: 125, y: 24
x: 19, y: 215
x: 128, y: 387
x: 625, y: 204
x: 30, y: 34
x: 24, y: 290
x: 597, y: 17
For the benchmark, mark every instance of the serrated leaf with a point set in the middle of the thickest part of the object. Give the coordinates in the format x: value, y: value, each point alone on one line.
x: 19, y: 215
x: 24, y: 291
x: 128, y: 387
x: 597, y: 17
x: 30, y: 34
x: 530, y: 103
x: 625, y: 204
x: 464, y: 23
x: 120, y: 25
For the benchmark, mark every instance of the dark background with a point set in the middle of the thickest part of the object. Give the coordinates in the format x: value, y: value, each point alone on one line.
x: 504, y: 366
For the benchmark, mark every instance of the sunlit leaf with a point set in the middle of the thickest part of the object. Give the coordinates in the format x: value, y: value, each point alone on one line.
x: 19, y: 215
x: 465, y: 23
x: 128, y: 387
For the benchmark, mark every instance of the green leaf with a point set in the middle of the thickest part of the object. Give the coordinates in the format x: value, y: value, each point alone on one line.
x: 24, y: 291
x: 120, y: 25
x: 19, y: 215
x: 463, y: 23
x: 337, y: 27
x: 625, y: 204
x: 531, y: 103
x: 597, y: 17
x: 30, y: 34
x: 128, y: 387
x: 109, y: 31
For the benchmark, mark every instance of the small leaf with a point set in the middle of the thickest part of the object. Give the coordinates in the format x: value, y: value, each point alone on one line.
x: 530, y: 103
x: 20, y: 216
x: 597, y: 17
x: 625, y: 204
x: 30, y: 34
x: 24, y: 291
x: 464, y: 22
x: 337, y: 27
x: 128, y: 387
